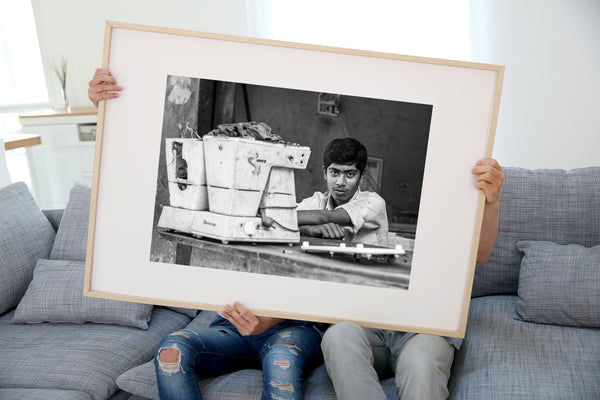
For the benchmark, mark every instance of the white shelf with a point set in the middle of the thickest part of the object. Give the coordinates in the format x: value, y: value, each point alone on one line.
x: 62, y: 158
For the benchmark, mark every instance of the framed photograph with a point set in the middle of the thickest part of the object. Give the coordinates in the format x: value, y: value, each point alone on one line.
x: 216, y: 143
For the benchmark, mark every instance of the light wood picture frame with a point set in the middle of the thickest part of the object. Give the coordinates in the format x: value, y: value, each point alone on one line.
x: 464, y: 99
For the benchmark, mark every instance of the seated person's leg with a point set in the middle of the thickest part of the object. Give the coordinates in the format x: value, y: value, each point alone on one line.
x: 184, y: 355
x: 285, y: 357
x: 354, y: 357
x: 423, y: 367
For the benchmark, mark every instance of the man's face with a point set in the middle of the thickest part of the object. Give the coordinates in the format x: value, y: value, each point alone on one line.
x: 342, y: 181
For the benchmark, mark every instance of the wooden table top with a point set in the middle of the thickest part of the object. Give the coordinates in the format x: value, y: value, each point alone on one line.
x: 18, y: 140
x: 291, y: 261
x: 60, y: 112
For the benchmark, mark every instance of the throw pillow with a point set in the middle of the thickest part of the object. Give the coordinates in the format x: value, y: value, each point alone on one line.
x: 559, y: 284
x: 25, y: 236
x: 56, y: 295
x: 190, y: 312
x: 560, y: 206
x: 71, y: 237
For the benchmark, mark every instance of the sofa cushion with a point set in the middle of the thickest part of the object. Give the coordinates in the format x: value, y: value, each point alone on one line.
x: 25, y: 236
x: 543, y: 205
x: 82, y: 357
x: 505, y: 358
x: 559, y: 285
x: 42, y: 394
x: 141, y: 381
x: 56, y: 295
x: 71, y: 237
x: 190, y: 312
x: 243, y: 385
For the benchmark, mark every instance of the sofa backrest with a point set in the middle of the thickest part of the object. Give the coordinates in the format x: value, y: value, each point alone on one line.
x: 26, y: 235
x: 560, y: 206
x: 54, y: 216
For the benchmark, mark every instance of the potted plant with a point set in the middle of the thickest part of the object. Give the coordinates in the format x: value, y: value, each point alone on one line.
x: 61, y: 73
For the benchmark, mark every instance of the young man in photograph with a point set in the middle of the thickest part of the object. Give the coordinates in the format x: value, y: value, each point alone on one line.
x: 344, y: 211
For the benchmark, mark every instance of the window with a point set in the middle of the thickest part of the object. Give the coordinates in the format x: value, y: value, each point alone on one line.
x: 22, y: 82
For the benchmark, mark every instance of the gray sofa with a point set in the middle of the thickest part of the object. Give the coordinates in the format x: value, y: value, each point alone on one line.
x: 55, y: 343
x: 534, y: 319
x: 533, y: 329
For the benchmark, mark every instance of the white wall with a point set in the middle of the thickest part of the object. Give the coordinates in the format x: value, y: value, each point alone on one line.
x: 74, y: 29
x: 550, y: 109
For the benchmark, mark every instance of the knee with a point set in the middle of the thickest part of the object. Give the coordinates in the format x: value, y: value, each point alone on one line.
x: 168, y: 354
x: 168, y: 360
x: 426, y: 357
x: 343, y: 331
x: 341, y: 336
x: 414, y: 366
x: 423, y: 368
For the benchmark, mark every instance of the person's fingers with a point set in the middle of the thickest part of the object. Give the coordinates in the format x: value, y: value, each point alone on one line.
x: 348, y: 233
x: 335, y: 231
x: 102, y: 76
x: 329, y: 231
x: 489, y: 178
x: 339, y: 231
x: 105, y: 88
x: 102, y: 71
x: 236, y: 319
x: 245, y: 313
x: 96, y: 98
x: 102, y: 80
x: 490, y: 169
x: 234, y: 314
x: 491, y: 187
x: 97, y: 95
x: 489, y: 161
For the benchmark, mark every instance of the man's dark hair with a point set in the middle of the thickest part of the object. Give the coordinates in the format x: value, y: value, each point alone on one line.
x: 345, y: 151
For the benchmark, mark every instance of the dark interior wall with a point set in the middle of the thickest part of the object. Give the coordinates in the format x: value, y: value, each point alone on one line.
x: 192, y: 107
x: 394, y: 131
x: 180, y: 119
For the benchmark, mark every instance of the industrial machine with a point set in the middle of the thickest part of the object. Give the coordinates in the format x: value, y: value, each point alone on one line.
x: 234, y: 184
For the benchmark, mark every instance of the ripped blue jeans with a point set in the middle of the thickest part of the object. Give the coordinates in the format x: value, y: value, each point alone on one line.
x: 284, y: 352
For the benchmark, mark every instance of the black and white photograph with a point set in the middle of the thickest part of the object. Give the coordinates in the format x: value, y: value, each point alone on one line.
x: 242, y: 167
x: 252, y: 170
